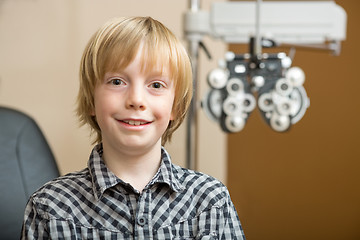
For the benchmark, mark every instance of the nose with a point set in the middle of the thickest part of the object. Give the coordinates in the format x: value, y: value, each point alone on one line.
x: 135, y: 98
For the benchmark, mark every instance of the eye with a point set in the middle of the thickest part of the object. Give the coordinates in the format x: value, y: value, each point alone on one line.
x: 116, y: 81
x: 156, y: 85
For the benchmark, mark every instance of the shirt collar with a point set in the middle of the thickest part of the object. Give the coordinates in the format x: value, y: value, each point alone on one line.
x: 166, y: 173
x: 103, y: 178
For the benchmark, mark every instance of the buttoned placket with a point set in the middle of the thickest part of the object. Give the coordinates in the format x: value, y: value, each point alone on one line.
x: 143, y: 227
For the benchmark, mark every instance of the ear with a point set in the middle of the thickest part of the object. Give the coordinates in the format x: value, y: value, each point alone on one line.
x: 92, y: 112
x: 172, y: 116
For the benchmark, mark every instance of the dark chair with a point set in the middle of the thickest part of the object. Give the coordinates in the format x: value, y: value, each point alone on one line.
x: 26, y: 163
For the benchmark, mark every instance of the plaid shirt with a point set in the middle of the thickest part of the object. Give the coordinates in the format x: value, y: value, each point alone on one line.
x: 95, y: 204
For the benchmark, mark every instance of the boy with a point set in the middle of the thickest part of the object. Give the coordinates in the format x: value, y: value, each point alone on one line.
x: 135, y: 88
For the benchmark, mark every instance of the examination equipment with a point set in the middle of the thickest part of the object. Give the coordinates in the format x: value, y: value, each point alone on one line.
x: 242, y: 81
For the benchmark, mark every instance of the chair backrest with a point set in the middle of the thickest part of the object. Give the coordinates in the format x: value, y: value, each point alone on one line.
x: 26, y: 163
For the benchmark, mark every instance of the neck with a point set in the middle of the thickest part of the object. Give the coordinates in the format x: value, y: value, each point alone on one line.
x: 134, y: 167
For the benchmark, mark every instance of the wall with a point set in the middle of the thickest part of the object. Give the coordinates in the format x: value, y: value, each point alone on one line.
x: 304, y: 184
x: 41, y: 43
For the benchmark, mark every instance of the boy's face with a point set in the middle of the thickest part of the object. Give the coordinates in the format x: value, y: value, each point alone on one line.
x: 133, y: 107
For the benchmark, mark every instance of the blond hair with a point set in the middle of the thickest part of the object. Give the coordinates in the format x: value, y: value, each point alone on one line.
x: 115, y: 45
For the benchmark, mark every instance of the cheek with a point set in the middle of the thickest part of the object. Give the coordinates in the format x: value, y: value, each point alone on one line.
x: 102, y: 104
x: 164, y: 109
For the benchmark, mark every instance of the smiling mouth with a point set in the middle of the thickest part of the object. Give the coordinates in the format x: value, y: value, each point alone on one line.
x: 134, y: 122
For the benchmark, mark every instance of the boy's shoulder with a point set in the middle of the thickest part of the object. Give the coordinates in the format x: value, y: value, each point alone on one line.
x: 191, y: 179
x: 201, y: 186
x: 186, y: 175
x: 64, y: 185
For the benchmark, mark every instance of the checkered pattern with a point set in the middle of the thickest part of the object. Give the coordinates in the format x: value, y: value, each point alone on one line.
x: 95, y: 204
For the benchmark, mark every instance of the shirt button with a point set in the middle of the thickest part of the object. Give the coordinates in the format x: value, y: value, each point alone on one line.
x: 141, y: 221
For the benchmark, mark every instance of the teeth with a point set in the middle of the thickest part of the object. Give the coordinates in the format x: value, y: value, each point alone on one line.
x: 134, y: 123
